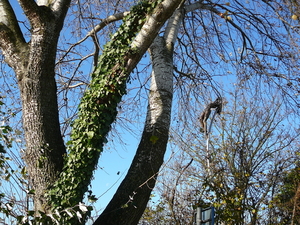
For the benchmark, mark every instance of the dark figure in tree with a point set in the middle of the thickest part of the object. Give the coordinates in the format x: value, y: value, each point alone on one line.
x: 217, y: 105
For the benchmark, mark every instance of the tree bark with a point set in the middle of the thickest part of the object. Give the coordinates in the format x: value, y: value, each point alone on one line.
x: 131, y: 198
x: 133, y: 194
x: 44, y: 144
x: 34, y: 65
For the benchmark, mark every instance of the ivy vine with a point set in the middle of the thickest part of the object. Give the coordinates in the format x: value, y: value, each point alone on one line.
x: 98, y: 110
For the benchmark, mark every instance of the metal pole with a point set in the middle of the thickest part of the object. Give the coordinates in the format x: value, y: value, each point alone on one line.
x: 198, y: 216
x: 207, y: 144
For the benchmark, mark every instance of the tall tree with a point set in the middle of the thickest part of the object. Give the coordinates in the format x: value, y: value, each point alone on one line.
x: 34, y: 65
x: 154, y: 139
x: 215, y: 39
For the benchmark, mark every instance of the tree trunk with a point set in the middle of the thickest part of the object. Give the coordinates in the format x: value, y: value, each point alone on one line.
x: 131, y: 198
x: 44, y: 144
x: 98, y: 107
x: 34, y: 65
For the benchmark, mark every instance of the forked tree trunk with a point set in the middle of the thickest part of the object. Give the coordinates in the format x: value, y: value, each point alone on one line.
x: 34, y: 64
x: 131, y: 198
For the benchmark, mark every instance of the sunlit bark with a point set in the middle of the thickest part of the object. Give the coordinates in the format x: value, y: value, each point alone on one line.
x: 133, y: 193
x: 34, y: 63
x: 133, y: 196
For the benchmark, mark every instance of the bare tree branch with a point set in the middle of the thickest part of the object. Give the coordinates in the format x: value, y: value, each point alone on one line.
x: 12, y: 41
x: 150, y: 29
x: 108, y: 20
x: 95, y: 30
x: 8, y: 19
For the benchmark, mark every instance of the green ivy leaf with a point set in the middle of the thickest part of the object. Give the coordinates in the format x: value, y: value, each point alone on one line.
x: 154, y: 139
x: 92, y: 198
x: 90, y: 134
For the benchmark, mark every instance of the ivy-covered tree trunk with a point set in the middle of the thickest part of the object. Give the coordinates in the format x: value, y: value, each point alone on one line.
x: 133, y: 194
x: 34, y: 65
x: 98, y: 107
x: 34, y: 62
